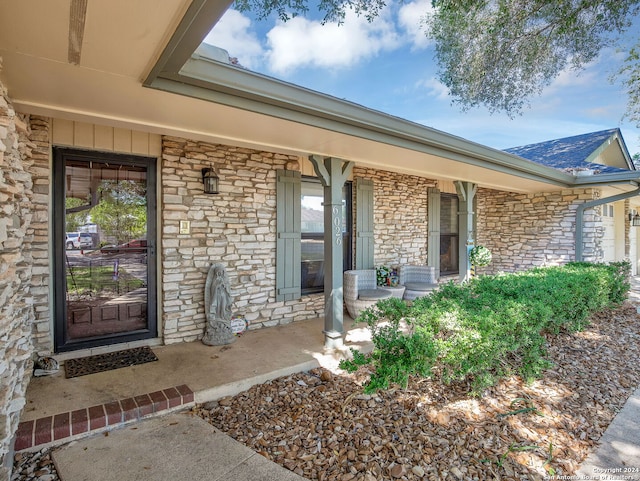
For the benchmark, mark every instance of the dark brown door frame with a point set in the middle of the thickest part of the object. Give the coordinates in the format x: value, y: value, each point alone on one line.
x: 62, y: 342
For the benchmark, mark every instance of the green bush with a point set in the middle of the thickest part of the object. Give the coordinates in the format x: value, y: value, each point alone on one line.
x: 491, y: 327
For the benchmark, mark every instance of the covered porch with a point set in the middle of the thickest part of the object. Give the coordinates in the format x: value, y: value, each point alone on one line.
x: 59, y: 410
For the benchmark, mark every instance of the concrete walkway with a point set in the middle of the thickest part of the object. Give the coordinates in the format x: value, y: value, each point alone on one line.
x: 618, y: 456
x: 168, y: 448
x: 183, y: 446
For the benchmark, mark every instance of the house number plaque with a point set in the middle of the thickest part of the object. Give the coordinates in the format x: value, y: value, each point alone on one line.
x: 337, y: 225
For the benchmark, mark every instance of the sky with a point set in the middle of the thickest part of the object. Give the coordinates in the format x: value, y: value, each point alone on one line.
x: 388, y: 65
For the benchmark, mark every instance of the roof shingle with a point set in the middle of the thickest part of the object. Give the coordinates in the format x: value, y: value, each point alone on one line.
x: 570, y: 152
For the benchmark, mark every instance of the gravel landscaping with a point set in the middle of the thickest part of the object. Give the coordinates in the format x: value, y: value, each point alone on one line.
x: 321, y: 426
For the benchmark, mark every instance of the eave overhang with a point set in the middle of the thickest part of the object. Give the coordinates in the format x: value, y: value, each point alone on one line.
x: 184, y: 68
x: 631, y: 178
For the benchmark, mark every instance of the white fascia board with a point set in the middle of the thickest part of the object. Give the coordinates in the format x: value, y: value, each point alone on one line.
x: 631, y: 177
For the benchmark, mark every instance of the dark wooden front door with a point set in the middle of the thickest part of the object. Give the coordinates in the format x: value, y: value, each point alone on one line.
x: 104, y: 235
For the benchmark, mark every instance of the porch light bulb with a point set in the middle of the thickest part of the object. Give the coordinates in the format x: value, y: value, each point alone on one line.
x: 210, y: 180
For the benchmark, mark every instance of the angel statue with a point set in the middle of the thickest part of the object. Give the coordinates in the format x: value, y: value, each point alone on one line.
x: 217, y: 306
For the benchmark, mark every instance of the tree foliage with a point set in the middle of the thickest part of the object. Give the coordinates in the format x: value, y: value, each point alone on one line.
x: 122, y: 211
x: 333, y: 10
x: 501, y: 53
x: 75, y: 220
x: 630, y: 75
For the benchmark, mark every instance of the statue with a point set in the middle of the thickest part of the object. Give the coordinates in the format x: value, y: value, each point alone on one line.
x: 217, y: 306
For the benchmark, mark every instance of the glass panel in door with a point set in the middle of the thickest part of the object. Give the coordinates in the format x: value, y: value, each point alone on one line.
x: 106, y: 253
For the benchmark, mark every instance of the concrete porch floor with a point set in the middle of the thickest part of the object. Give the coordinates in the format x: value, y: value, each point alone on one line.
x: 211, y: 372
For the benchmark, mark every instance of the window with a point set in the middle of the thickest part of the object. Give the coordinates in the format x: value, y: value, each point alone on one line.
x: 312, y: 233
x: 449, y: 238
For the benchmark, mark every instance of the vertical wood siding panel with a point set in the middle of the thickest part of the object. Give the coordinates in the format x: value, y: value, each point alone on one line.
x: 83, y: 135
x: 62, y: 133
x: 139, y: 143
x: 103, y: 138
x: 121, y: 140
x: 155, y: 145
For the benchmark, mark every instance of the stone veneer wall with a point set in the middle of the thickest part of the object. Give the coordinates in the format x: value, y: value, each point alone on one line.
x: 236, y: 227
x: 400, y: 216
x: 530, y: 230
x: 16, y: 297
x: 40, y: 226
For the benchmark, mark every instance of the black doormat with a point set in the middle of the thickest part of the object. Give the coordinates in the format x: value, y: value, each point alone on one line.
x: 108, y: 361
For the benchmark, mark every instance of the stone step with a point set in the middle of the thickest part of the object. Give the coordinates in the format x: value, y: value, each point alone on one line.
x: 64, y: 427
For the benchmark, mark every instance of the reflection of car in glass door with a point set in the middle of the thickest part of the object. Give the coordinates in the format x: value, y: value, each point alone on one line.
x: 135, y: 246
x: 79, y: 240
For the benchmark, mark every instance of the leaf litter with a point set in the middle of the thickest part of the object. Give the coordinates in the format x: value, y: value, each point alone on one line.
x: 321, y: 426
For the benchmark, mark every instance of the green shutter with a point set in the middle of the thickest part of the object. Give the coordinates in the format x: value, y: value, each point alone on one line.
x: 364, y: 224
x: 433, y: 242
x: 288, y: 235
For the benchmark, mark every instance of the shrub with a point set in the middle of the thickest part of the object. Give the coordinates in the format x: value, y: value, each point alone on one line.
x: 491, y: 327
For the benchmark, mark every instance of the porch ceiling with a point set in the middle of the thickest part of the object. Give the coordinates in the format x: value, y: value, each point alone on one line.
x: 121, y: 44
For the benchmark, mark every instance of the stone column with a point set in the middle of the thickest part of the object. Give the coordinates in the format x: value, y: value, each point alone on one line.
x: 333, y: 174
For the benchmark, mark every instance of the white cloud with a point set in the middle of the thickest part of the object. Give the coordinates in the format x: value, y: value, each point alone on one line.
x: 233, y: 33
x: 572, y: 78
x: 411, y: 17
x: 306, y: 43
x: 435, y: 88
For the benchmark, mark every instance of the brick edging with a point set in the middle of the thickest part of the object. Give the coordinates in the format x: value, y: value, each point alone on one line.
x: 59, y: 427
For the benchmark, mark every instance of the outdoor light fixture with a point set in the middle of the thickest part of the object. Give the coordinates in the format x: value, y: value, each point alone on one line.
x: 636, y: 220
x: 210, y: 180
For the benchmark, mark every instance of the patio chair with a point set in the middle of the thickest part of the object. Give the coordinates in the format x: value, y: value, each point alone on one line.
x: 360, y: 291
x: 417, y: 280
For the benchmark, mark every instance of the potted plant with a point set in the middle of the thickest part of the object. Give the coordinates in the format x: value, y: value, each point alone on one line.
x: 480, y: 256
x: 382, y: 275
x: 393, y: 278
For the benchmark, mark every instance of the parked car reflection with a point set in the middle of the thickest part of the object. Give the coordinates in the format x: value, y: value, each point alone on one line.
x: 137, y: 246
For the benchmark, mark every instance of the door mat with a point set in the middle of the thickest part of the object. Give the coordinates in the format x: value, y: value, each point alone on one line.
x: 108, y: 361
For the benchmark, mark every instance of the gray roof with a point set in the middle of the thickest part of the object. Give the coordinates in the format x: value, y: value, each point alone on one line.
x: 570, y: 152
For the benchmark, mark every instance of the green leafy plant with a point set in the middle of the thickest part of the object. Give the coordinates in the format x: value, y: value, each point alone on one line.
x: 547, y: 464
x: 491, y: 327
x: 382, y: 275
x: 480, y: 256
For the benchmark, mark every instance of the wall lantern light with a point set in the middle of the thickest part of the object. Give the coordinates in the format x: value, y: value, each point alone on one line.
x: 210, y: 180
x: 636, y: 220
